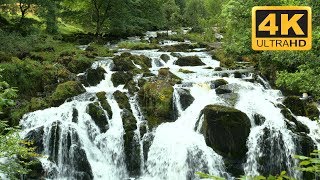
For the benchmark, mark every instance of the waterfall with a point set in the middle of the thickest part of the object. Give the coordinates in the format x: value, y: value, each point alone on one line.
x: 73, y: 146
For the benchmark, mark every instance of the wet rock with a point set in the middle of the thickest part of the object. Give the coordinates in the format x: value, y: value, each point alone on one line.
x: 217, y: 69
x: 147, y: 142
x: 122, y: 100
x: 297, y: 125
x: 222, y: 90
x: 224, y: 75
x: 226, y: 131
x: 166, y: 75
x: 186, y: 99
x: 94, y: 76
x: 155, y: 99
x: 98, y: 116
x: 312, y: 111
x: 183, y: 47
x: 189, y: 61
x: 54, y: 144
x: 75, y: 115
x: 175, y: 54
x: 295, y: 104
x: 165, y: 57
x: 157, y: 62
x: 104, y: 103
x: 148, y: 74
x: 230, y: 98
x: 126, y: 61
x: 81, y: 165
x: 36, y: 136
x: 131, y: 86
x: 272, y: 159
x: 258, y: 119
x: 131, y: 143
x: 217, y: 83
x: 37, y: 170
x: 66, y: 90
x: 237, y: 74
x: 121, y: 77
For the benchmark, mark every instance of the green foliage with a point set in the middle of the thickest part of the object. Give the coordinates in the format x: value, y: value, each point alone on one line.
x: 282, y: 176
x: 310, y: 164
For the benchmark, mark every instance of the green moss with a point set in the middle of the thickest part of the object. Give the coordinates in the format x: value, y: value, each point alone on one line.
x: 122, y: 100
x: 80, y: 64
x: 121, y: 77
x: 156, y: 101
x: 189, y: 61
x: 98, y: 116
x: 312, y: 112
x: 66, y: 90
x: 165, y: 74
x: 219, y: 82
x: 104, y: 103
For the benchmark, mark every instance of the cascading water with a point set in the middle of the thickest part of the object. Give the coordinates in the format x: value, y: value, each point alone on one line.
x: 75, y: 147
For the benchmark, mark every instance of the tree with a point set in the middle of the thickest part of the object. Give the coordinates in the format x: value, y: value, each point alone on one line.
x: 171, y: 13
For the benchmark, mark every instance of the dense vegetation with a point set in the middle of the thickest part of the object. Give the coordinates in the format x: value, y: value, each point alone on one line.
x: 39, y: 38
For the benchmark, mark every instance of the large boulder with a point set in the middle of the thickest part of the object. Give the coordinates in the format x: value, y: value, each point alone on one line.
x: 189, y: 61
x: 98, y: 116
x: 292, y: 123
x: 121, y: 77
x: 127, y: 61
x: 166, y: 75
x: 94, y: 76
x: 155, y: 99
x: 186, y: 99
x: 36, y: 136
x: 226, y: 131
x: 66, y: 90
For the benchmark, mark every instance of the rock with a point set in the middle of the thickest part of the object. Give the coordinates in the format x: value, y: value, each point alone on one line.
x: 78, y: 65
x: 224, y: 75
x: 131, y: 86
x: 230, y: 98
x: 122, y: 100
x: 165, y: 57
x: 80, y: 164
x: 226, y: 131
x: 37, y: 171
x: 66, y: 90
x: 222, y: 90
x: 98, y: 116
x: 189, y: 61
x: 36, y: 136
x: 54, y: 144
x: 175, y: 54
x: 148, y: 74
x: 131, y: 145
x: 165, y: 74
x: 182, y: 47
x: 295, y: 104
x: 94, y: 76
x: 258, y: 119
x: 155, y: 99
x: 104, y: 103
x: 121, y: 77
x: 75, y: 115
x: 217, y: 83
x: 237, y: 74
x: 217, y: 69
x: 186, y: 99
x: 298, y: 126
x: 125, y: 61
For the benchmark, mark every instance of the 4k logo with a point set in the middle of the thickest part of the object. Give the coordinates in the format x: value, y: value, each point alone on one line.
x: 281, y: 28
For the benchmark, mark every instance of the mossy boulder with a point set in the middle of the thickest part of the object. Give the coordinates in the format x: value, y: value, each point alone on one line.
x: 121, y: 77
x: 258, y: 119
x: 155, y: 99
x: 93, y: 77
x: 122, y: 100
x: 66, y: 90
x: 189, y: 61
x: 104, y: 103
x: 98, y: 116
x: 217, y: 69
x: 131, y: 86
x: 301, y: 107
x: 127, y: 61
x: 79, y: 64
x: 182, y: 47
x: 165, y: 57
x: 226, y: 130
x: 295, y: 104
x: 165, y: 74
x: 217, y: 83
x: 297, y: 126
